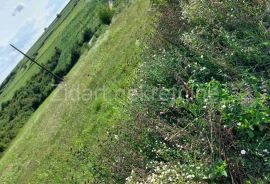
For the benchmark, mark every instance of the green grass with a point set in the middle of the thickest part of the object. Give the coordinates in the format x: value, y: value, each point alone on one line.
x: 56, y: 144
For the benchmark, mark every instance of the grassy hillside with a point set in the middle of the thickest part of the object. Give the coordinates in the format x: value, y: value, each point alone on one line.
x: 56, y: 144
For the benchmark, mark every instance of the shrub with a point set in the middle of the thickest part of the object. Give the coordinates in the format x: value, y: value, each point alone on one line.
x: 2, y: 147
x: 75, y: 54
x: 105, y: 14
x: 5, y: 104
x: 87, y: 35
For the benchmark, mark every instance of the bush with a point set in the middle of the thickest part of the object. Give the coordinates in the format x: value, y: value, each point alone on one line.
x: 105, y: 14
x: 87, y: 35
x: 75, y: 54
x: 2, y: 147
x: 5, y: 104
x: 63, y: 69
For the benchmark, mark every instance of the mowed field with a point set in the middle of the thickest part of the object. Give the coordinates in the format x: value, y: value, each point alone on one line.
x: 77, y: 15
x: 57, y: 144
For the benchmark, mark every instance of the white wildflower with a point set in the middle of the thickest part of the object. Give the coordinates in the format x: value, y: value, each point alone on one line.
x: 190, y: 176
x: 161, y: 113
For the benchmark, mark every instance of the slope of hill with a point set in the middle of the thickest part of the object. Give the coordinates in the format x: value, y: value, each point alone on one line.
x: 56, y: 144
x: 171, y: 91
x: 201, y: 110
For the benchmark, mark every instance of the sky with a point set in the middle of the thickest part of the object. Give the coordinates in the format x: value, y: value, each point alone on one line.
x: 21, y: 23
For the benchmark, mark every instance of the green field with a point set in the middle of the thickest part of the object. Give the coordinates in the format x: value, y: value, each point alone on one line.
x: 54, y: 36
x: 47, y: 150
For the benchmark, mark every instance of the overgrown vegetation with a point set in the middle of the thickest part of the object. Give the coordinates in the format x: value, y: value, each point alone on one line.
x: 105, y: 14
x: 201, y: 107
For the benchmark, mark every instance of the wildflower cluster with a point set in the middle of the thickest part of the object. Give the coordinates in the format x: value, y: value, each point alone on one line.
x: 161, y: 173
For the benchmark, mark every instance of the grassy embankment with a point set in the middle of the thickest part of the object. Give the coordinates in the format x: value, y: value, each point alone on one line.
x: 201, y: 108
x: 56, y: 144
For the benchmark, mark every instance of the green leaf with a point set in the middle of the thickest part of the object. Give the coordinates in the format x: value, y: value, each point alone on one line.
x: 250, y: 134
x: 224, y: 173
